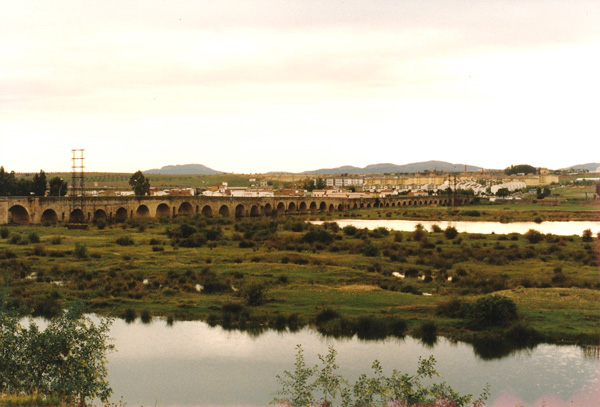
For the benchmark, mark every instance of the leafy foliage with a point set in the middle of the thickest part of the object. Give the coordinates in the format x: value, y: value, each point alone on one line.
x: 66, y: 360
x: 140, y: 184
x: 492, y: 310
x: 314, y: 386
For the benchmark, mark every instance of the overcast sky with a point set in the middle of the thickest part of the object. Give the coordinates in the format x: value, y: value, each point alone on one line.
x: 274, y: 85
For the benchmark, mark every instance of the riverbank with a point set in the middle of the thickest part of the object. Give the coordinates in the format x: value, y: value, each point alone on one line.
x: 498, y: 211
x: 285, y: 274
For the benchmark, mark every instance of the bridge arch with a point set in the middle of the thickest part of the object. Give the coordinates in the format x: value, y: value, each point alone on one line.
x: 185, y: 209
x: 121, y: 215
x: 331, y: 208
x: 292, y: 207
x: 340, y: 207
x: 313, y: 207
x: 163, y: 211
x: 19, y: 215
x: 207, y: 211
x: 99, y: 214
x: 240, y: 211
x: 224, y: 211
x: 49, y: 216
x: 254, y: 212
x: 77, y: 216
x: 322, y: 207
x: 268, y: 209
x: 142, y: 212
x: 280, y: 207
x: 302, y: 207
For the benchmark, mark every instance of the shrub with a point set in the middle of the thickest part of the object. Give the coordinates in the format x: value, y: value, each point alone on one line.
x: 56, y: 240
x: 16, y: 238
x: 349, y: 230
x: 587, y: 235
x: 492, y: 310
x: 370, y: 250
x: 194, y: 240
x: 80, y: 251
x: 39, y: 250
x: 4, y: 233
x: 254, y: 293
x: 450, y: 232
x: 533, y: 236
x: 125, y: 241
x: 317, y: 235
x: 76, y: 346
x: 436, y: 229
x: 33, y: 237
x: 399, y: 389
x: 418, y: 233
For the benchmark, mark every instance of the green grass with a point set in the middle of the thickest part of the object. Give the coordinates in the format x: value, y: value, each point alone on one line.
x: 303, y: 279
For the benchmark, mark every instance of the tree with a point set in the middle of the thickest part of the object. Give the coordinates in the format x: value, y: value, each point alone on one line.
x: 57, y: 187
x: 308, y: 184
x: 502, y: 192
x: 67, y: 359
x: 7, y: 182
x: 520, y: 169
x: 39, y: 184
x: 320, y: 183
x: 140, y: 184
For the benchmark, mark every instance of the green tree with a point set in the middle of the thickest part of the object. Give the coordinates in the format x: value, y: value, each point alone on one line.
x: 57, y: 187
x: 320, y: 183
x: 140, y: 184
x: 39, y: 184
x: 298, y: 387
x: 308, y: 184
x: 520, y: 169
x: 502, y: 192
x: 66, y: 360
x: 7, y: 182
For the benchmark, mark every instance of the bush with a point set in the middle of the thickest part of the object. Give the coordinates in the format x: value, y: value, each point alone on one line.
x: 587, y: 235
x: 125, y: 241
x: 399, y: 389
x: 254, y: 292
x: 450, y: 232
x: 492, y: 310
x: 33, y: 237
x: 4, y: 233
x: 533, y: 236
x: 349, y: 230
x: 317, y: 235
x: 76, y: 347
x: 80, y: 251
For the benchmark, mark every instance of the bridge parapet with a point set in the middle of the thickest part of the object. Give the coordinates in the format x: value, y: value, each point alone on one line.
x: 52, y: 210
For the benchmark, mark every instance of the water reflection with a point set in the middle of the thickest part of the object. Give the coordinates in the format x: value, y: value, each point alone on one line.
x: 556, y: 228
x: 190, y: 363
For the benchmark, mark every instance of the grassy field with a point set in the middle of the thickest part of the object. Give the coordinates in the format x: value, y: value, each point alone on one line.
x: 283, y: 273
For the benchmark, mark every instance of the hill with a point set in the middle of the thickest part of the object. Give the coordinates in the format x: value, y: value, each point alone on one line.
x: 185, y: 169
x: 394, y: 168
x: 592, y: 167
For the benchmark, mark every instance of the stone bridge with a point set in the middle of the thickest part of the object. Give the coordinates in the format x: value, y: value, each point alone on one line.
x: 52, y: 210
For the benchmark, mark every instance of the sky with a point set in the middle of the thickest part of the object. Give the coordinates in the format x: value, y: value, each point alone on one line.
x: 251, y: 86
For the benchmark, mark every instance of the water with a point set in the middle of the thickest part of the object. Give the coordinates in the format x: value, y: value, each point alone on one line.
x: 192, y: 364
x: 556, y: 228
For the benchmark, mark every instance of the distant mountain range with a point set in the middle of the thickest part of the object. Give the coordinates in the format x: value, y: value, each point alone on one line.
x: 443, y: 166
x: 589, y: 166
x: 185, y: 169
x: 394, y: 168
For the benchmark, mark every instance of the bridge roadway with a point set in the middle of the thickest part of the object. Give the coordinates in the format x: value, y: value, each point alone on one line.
x: 52, y: 210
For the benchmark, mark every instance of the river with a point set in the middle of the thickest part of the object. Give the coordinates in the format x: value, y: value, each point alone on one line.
x: 193, y: 364
x: 556, y: 228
